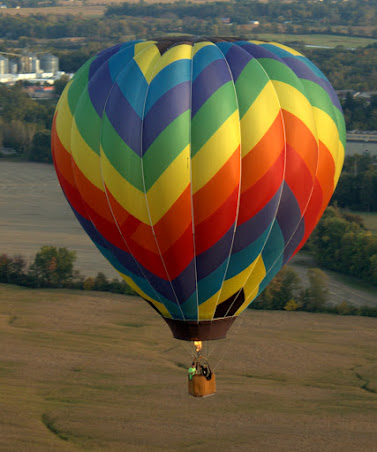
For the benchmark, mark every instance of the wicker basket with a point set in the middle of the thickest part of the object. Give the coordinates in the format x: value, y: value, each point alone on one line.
x: 199, y: 386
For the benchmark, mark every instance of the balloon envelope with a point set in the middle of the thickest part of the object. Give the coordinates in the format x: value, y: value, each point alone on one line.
x: 198, y: 167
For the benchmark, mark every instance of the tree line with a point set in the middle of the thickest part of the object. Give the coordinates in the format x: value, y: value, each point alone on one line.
x: 357, y: 186
x: 286, y: 292
x: 54, y: 267
x: 341, y: 243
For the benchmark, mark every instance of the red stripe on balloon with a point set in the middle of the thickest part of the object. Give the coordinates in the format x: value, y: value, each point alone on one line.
x: 260, y: 194
x: 215, y: 226
x: 299, y: 178
x: 212, y: 195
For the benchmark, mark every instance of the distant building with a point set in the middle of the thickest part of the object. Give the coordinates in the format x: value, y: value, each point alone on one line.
x: 4, y: 65
x: 13, y: 67
x: 29, y: 63
x: 49, y: 63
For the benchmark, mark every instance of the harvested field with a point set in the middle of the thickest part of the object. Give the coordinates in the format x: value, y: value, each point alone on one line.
x: 99, y: 372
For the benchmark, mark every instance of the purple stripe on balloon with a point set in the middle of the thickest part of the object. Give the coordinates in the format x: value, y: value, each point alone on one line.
x: 237, y: 59
x: 211, y: 259
x: 258, y: 51
x: 303, y: 71
x: 101, y: 58
x: 294, y: 242
x: 167, y: 108
x: 252, y: 229
x: 288, y: 215
x: 210, y: 79
x: 124, y: 119
x: 99, y: 87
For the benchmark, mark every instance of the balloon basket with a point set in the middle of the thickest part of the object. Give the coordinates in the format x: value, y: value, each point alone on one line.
x: 200, y: 386
x: 203, y: 382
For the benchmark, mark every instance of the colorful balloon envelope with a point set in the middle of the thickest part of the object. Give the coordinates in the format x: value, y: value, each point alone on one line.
x: 198, y: 167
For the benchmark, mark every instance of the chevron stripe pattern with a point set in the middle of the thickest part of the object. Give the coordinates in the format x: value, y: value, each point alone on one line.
x: 198, y: 166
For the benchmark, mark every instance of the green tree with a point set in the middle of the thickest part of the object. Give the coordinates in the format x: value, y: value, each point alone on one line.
x: 41, y: 147
x: 315, y: 297
x: 53, y: 267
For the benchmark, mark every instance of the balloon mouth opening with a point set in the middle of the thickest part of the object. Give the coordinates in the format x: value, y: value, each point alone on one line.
x: 204, y: 330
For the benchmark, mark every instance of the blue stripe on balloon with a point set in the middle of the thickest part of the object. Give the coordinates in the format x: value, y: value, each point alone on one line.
x: 118, y: 108
x: 212, y: 77
x: 258, y: 51
x: 172, y: 75
x: 289, y: 214
x: 101, y: 58
x: 98, y: 97
x: 304, y: 72
x: 118, y: 62
x: 133, y: 87
x: 294, y: 242
x: 208, y: 261
x: 205, y: 56
x: 273, y: 251
x: 101, y: 82
x: 171, y: 105
x: 208, y: 286
x: 237, y: 59
x: 251, y: 230
x: 241, y: 260
x: 190, y: 307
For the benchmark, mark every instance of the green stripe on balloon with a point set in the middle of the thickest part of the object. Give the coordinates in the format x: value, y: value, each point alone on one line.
x: 212, y: 115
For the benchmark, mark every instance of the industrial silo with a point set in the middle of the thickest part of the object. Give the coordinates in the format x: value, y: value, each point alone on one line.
x: 4, y: 65
x: 49, y: 63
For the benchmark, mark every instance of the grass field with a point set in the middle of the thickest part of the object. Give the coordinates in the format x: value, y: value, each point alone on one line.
x: 99, y: 372
x: 319, y: 39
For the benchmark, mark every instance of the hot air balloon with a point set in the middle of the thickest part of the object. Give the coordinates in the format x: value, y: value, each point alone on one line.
x: 198, y: 167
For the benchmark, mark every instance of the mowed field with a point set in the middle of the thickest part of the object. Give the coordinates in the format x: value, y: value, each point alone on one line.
x: 34, y: 213
x: 99, y: 372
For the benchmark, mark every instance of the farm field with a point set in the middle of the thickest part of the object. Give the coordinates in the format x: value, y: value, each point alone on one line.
x: 93, y: 371
x: 37, y: 214
x: 318, y: 39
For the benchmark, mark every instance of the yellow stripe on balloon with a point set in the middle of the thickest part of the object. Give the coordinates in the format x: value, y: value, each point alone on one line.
x: 328, y: 132
x: 146, y: 57
x: 85, y: 158
x: 207, y: 308
x: 252, y: 284
x: 129, y: 197
x: 287, y: 49
x: 175, y: 53
x: 233, y: 285
x: 216, y: 152
x: 339, y: 162
x: 169, y: 186
x: 159, y: 306
x: 259, y: 118
x: 296, y: 103
x: 63, y: 122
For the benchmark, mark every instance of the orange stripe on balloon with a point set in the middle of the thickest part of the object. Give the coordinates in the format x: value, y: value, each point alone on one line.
x: 259, y: 160
x: 258, y: 196
x: 301, y: 139
x: 210, y: 197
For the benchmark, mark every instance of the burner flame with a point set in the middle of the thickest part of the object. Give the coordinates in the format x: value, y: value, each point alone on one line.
x: 198, y: 346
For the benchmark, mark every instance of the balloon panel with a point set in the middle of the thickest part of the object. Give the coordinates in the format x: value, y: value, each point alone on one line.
x: 198, y: 167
